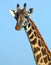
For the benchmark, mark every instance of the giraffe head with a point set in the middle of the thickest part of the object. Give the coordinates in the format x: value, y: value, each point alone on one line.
x: 22, y: 16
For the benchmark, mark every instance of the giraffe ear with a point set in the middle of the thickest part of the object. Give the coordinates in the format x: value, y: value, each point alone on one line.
x: 12, y: 12
x: 30, y: 11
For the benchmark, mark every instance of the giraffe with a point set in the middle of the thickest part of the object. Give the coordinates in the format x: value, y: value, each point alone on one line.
x: 40, y: 50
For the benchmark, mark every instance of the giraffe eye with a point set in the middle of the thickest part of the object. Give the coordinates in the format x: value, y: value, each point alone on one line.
x: 26, y: 16
x: 24, y: 23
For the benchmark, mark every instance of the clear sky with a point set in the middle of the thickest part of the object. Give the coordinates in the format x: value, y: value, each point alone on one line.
x: 14, y: 45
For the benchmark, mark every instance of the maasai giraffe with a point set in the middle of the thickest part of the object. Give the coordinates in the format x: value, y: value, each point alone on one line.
x: 40, y: 50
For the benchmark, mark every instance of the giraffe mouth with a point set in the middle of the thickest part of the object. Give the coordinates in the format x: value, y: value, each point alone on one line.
x: 18, y: 26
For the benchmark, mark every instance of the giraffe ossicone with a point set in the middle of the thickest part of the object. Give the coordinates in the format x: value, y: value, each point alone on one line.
x: 40, y: 50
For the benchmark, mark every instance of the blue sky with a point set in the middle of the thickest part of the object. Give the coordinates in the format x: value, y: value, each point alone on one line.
x: 14, y: 45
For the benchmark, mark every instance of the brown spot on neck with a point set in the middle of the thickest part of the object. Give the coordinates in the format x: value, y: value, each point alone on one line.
x: 49, y: 63
x: 36, y: 49
x: 29, y: 32
x: 41, y: 61
x: 43, y: 51
x: 34, y: 41
x: 35, y: 34
x: 49, y: 58
x: 31, y: 36
x: 45, y: 60
x: 38, y: 57
x: 40, y: 43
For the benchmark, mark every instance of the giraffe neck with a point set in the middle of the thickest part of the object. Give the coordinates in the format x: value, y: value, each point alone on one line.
x: 40, y: 51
